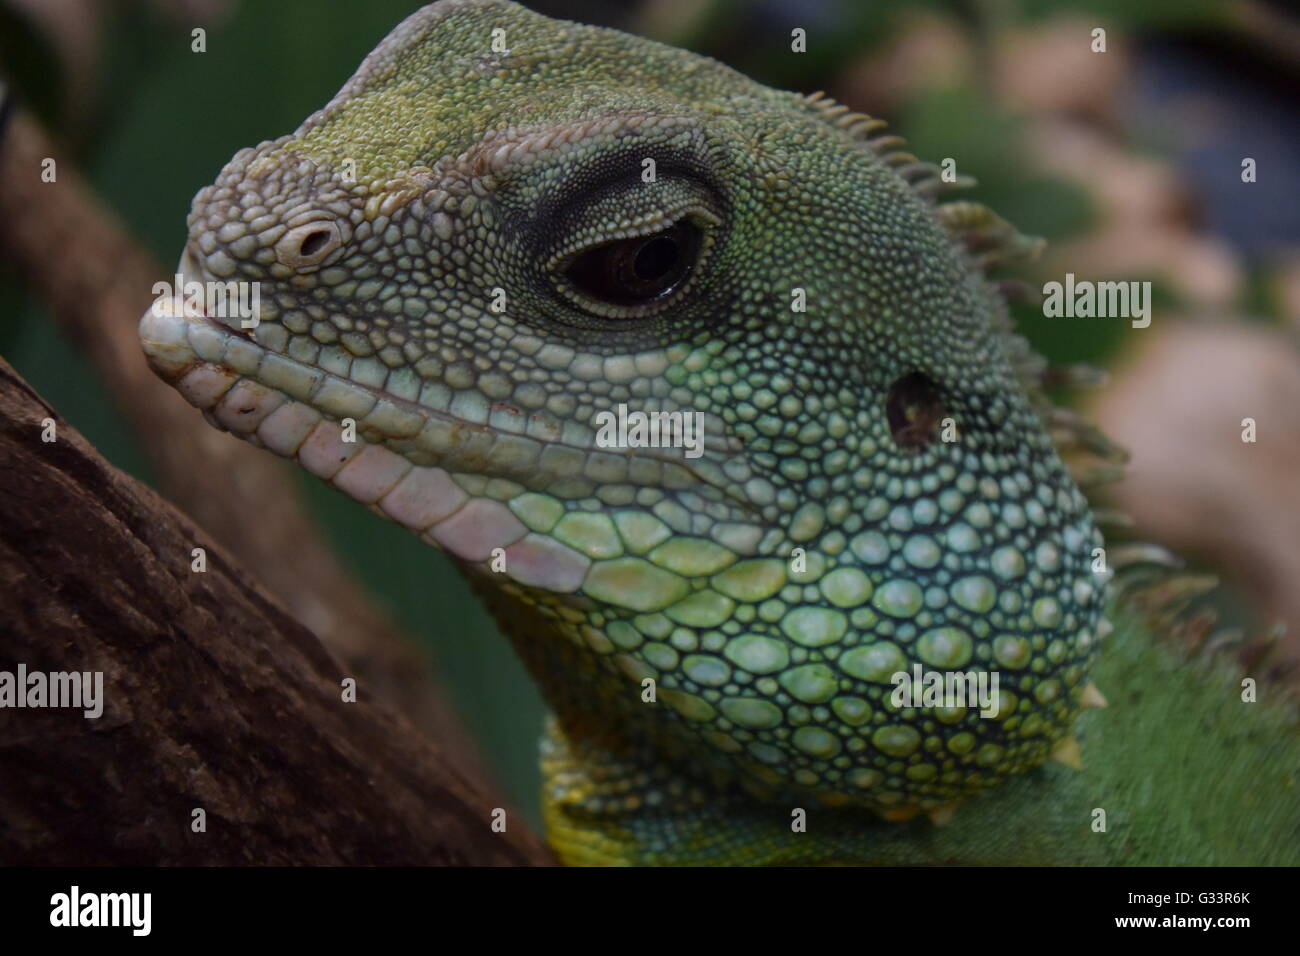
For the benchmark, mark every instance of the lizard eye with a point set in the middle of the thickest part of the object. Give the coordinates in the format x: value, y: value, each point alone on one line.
x: 639, y: 270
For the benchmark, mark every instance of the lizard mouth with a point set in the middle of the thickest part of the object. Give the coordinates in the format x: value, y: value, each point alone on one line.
x: 374, y: 447
x: 399, y: 456
x: 217, y: 364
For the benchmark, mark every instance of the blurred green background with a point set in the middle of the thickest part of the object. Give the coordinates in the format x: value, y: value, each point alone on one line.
x: 151, y: 122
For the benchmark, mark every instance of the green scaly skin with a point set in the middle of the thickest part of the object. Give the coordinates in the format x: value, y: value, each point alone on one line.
x: 415, y: 238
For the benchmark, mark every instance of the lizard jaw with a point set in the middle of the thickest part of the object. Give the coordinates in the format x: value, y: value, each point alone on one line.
x: 384, y: 461
x: 416, y: 462
x: 426, y: 421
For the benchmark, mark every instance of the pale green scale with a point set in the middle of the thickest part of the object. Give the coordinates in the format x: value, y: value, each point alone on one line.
x: 1011, y: 650
x: 962, y: 743
x: 975, y: 593
x: 811, y: 569
x: 662, y: 656
x: 752, y: 581
x: 807, y: 522
x: 871, y: 547
x: 1046, y: 612
x: 713, y: 641
x: 811, y: 683
x: 846, y: 587
x: 707, y: 670
x: 538, y: 512
x: 757, y: 653
x: 702, y: 609
x: 980, y: 515
x: 591, y: 533
x: 896, y: 740
x: 898, y: 598
x: 684, y: 639
x: 691, y: 557
x: 736, y: 537
x: 877, y: 662
x: 640, y: 530
x: 1007, y: 563
x: 865, y: 778
x: 854, y: 711
x: 963, y: 539
x: 925, y: 511
x: 817, y: 742
x: 946, y: 647
x: 814, y: 626
x: 1048, y: 557
x: 624, y: 635
x: 751, y: 712
x: 900, y: 518
x: 634, y: 583
x: 653, y: 625
x: 921, y: 551
x: 1047, y: 691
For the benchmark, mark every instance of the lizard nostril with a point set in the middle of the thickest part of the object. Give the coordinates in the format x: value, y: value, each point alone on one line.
x: 913, y: 408
x: 308, y: 245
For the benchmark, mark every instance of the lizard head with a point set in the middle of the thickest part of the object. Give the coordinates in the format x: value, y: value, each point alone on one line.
x: 519, y: 259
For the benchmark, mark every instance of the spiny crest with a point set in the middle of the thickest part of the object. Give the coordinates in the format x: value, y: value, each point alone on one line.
x: 925, y: 178
x: 991, y: 240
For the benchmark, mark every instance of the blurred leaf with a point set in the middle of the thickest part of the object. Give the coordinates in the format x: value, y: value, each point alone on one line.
x: 420, y: 586
x: 962, y: 124
x: 32, y: 343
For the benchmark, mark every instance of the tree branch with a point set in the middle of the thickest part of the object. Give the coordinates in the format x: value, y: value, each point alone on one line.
x: 214, y: 697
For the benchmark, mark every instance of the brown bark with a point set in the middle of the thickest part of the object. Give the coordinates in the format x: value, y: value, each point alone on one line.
x: 215, y: 698
x: 96, y: 280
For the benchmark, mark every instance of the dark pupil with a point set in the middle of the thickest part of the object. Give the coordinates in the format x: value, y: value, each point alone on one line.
x: 655, y: 259
x: 630, y: 271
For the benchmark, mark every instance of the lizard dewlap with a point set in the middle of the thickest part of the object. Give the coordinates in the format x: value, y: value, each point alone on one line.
x: 505, y: 228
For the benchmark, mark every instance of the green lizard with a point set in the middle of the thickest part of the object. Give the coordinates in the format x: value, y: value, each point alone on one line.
x: 505, y: 228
